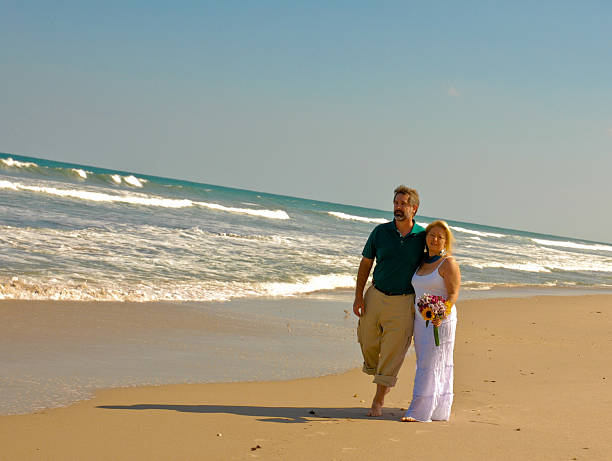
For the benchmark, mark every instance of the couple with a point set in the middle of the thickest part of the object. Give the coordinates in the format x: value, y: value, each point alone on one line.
x: 408, y: 256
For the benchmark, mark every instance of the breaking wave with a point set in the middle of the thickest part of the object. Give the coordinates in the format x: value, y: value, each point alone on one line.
x: 478, y: 233
x: 17, y: 164
x: 337, y: 214
x: 271, y: 214
x: 139, y: 199
x: 578, y: 246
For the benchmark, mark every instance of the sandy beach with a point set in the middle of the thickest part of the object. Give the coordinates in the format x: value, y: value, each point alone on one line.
x: 532, y: 381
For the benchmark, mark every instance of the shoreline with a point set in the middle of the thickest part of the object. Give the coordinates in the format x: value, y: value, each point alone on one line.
x: 54, y: 353
x: 531, y: 381
x: 124, y: 337
x: 491, y: 291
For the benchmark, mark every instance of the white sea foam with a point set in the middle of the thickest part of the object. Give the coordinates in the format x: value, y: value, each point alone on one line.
x: 131, y: 180
x: 128, y: 255
x: 278, y: 239
x: 8, y: 185
x: 81, y: 173
x: 480, y: 286
x: 476, y: 285
x: 182, y: 291
x: 271, y: 214
x: 140, y: 200
x: 309, y: 285
x: 473, y: 232
x: 525, y: 267
x: 17, y: 164
x: 584, y: 266
x: 579, y: 246
x: 134, y: 181
x: 99, y: 196
x: 83, y: 292
x: 337, y: 214
x: 558, y: 264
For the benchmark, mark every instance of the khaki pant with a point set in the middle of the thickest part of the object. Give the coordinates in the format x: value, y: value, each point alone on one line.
x: 384, y: 333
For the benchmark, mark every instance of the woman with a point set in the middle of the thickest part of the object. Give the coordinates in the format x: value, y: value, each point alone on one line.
x: 439, y: 275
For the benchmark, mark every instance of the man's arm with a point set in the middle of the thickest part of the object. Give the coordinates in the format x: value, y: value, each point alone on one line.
x: 365, y: 266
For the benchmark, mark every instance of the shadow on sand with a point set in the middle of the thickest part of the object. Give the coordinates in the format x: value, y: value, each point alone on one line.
x: 269, y: 414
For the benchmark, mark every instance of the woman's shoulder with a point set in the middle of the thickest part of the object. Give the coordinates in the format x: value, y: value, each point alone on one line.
x: 449, y: 265
x: 450, y: 259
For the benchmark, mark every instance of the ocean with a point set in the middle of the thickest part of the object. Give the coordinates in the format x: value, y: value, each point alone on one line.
x: 76, y: 232
x: 244, y: 285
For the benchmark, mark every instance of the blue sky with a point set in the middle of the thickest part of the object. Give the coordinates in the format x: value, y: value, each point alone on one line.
x: 499, y: 113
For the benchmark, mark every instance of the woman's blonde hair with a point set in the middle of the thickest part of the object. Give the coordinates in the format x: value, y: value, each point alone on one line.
x: 449, y: 235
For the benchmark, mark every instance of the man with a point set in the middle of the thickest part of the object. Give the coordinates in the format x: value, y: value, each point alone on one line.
x: 386, y: 314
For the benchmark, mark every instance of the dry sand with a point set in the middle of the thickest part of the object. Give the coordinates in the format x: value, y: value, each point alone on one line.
x: 532, y: 381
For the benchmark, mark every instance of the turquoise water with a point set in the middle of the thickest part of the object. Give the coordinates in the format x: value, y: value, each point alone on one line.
x: 76, y: 232
x: 84, y: 233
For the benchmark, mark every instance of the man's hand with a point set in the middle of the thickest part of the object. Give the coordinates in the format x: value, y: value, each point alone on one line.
x: 359, y: 306
x: 365, y: 266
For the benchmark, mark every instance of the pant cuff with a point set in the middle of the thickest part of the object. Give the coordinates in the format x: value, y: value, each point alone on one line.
x: 368, y: 371
x: 387, y: 381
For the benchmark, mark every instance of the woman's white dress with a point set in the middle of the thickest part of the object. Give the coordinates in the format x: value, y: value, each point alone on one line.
x: 432, y: 395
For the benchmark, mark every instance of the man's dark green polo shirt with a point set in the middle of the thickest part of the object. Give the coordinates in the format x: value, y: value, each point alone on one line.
x: 397, y: 257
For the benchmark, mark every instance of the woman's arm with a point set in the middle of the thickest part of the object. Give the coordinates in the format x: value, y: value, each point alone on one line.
x: 449, y: 271
x: 451, y: 274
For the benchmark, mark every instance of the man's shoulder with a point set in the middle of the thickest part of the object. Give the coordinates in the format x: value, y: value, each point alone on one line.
x: 384, y: 226
x: 417, y: 228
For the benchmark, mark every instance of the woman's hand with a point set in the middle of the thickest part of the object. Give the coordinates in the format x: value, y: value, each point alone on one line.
x: 436, y: 322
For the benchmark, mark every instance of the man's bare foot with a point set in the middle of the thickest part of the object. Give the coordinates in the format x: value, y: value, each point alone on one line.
x: 376, y: 409
x: 378, y: 401
x: 409, y: 419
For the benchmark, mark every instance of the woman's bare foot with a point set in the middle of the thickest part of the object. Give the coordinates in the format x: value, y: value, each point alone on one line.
x: 409, y: 419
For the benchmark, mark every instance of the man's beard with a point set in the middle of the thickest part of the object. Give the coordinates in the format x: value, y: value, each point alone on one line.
x: 400, y: 216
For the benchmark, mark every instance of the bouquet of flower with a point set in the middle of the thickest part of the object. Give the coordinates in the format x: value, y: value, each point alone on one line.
x: 433, y: 307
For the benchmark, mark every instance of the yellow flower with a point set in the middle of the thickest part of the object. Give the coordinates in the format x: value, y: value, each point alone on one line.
x: 448, y: 307
x: 427, y: 314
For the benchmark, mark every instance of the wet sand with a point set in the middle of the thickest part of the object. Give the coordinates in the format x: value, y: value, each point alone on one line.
x: 54, y: 353
x: 532, y: 381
